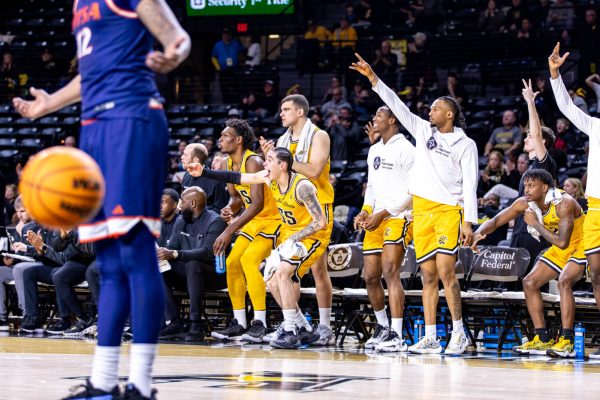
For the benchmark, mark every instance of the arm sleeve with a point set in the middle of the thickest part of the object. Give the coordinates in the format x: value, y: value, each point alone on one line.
x: 580, y: 119
x: 470, y: 171
x: 416, y: 126
x: 223, y: 176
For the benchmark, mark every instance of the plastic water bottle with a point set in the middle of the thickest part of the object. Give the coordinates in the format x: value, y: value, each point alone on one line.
x: 308, y: 317
x: 220, y: 264
x: 419, y: 330
x: 579, y: 341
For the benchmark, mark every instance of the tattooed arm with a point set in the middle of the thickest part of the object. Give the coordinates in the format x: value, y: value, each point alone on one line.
x: 161, y: 22
x: 564, y: 210
x: 306, y: 192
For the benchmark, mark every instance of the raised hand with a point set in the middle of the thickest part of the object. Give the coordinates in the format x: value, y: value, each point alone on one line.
x: 372, y: 132
x: 528, y: 93
x: 555, y: 60
x: 266, y: 145
x: 38, y: 107
x: 363, y: 67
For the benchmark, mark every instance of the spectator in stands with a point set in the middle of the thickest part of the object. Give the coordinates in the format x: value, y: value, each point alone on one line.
x: 561, y: 17
x: 418, y: 60
x: 219, y: 161
x: 263, y: 105
x: 579, y: 99
x: 336, y: 83
x: 317, y: 32
x: 386, y: 62
x: 357, y: 89
x: 11, y: 192
x: 588, y: 43
x: 506, y: 138
x: 366, y: 104
x: 350, y: 13
x: 333, y: 106
x: 526, y: 39
x: 345, y: 35
x: 545, y: 101
x: 215, y: 192
x: 47, y: 71
x: 516, y: 170
x: 539, y: 13
x: 344, y: 135
x: 566, y: 139
x: 454, y: 89
x: 488, y: 208
x: 190, y: 253
x: 515, y: 14
x: 9, y: 77
x: 574, y: 187
x: 492, y: 18
x: 225, y: 59
x: 70, y: 141
x: 493, y: 173
x: 168, y: 215
x: 254, y: 54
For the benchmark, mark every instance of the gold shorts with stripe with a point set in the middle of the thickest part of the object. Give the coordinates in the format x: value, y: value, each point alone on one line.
x: 391, y: 231
x: 436, y: 228
x: 557, y: 258
x: 591, y: 227
x: 265, y: 228
x: 315, y: 244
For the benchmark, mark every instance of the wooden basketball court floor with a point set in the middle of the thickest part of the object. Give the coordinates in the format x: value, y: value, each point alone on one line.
x: 44, y: 368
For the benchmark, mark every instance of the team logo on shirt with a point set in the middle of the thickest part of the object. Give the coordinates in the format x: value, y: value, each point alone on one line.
x: 377, y: 162
x: 431, y: 143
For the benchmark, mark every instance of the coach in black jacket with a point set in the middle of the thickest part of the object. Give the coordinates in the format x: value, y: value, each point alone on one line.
x: 190, y: 253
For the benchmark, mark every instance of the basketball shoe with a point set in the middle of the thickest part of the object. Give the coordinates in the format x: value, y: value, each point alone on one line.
x: 381, y: 333
x: 535, y: 347
x: 427, y: 345
x: 564, y: 348
x: 393, y: 343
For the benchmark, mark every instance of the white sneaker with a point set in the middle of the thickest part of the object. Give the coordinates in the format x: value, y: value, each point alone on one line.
x: 381, y: 333
x: 326, y: 336
x: 392, y: 344
x: 90, y: 331
x: 458, y: 343
x: 273, y: 335
x: 427, y: 345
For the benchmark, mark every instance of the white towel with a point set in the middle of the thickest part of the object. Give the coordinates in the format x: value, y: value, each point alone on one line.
x: 306, y: 136
x: 553, y: 196
x: 287, y: 250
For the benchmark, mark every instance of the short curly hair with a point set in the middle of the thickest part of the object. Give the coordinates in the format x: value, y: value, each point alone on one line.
x: 243, y: 129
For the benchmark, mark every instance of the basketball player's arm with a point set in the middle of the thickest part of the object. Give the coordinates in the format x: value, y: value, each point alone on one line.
x: 253, y: 164
x: 306, y: 192
x: 564, y: 210
x: 504, y: 217
x: 196, y: 170
x: 581, y: 120
x: 161, y: 22
x: 44, y: 103
x: 535, y: 127
x: 319, y: 154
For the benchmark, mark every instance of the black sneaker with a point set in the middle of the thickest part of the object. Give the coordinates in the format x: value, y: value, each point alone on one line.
x: 286, y: 340
x: 307, y: 337
x: 78, y: 328
x: 31, y: 325
x: 233, y: 332
x: 128, y: 332
x: 173, y: 331
x: 255, y: 333
x: 59, y: 326
x: 196, y: 332
x: 132, y: 393
x: 88, y: 392
x: 3, y: 323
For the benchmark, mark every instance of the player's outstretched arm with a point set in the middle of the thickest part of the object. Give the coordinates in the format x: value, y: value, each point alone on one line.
x: 196, y: 170
x: 410, y: 121
x: 508, y: 214
x: 306, y: 192
x: 161, y: 22
x: 44, y: 103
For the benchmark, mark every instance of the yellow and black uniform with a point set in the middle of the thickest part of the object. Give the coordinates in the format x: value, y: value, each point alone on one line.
x: 295, y: 217
x: 591, y: 237
x: 390, y: 231
x: 254, y: 243
x: 557, y: 258
x: 325, y: 192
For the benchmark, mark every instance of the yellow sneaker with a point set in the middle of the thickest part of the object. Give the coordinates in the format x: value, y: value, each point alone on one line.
x: 562, y: 349
x: 536, y: 346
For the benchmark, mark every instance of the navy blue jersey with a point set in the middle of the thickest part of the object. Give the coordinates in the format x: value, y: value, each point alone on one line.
x: 112, y: 44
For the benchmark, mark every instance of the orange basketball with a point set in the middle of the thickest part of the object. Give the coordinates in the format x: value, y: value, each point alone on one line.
x: 61, y: 187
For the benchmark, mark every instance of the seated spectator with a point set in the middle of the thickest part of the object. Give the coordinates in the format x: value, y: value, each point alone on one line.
x: 454, y: 89
x: 190, y: 253
x: 566, y: 139
x: 336, y: 83
x: 366, y: 104
x: 345, y: 35
x: 493, y: 173
x: 317, y: 32
x: 574, y: 187
x: 344, y: 135
x: 9, y: 77
x: 515, y: 170
x: 11, y: 192
x: 386, y: 62
x: 492, y: 18
x: 515, y: 14
x: 219, y: 161
x: 265, y: 104
x: 47, y: 71
x: 333, y: 106
x: 216, y: 192
x: 418, y: 61
x: 168, y: 215
x: 578, y: 99
x: 506, y: 138
x: 488, y: 208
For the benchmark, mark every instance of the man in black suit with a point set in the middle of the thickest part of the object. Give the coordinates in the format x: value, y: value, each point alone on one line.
x: 190, y: 253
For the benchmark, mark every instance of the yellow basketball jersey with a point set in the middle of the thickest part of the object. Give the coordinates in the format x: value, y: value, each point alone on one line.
x: 269, y: 210
x: 293, y: 214
x: 324, y: 188
x: 551, y: 221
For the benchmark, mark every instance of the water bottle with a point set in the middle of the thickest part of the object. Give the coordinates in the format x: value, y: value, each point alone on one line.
x: 419, y: 330
x: 308, y: 317
x: 579, y: 341
x: 220, y: 264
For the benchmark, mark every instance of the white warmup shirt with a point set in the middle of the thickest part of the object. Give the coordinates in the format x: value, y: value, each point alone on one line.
x: 586, y: 124
x: 446, y: 168
x: 390, y: 165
